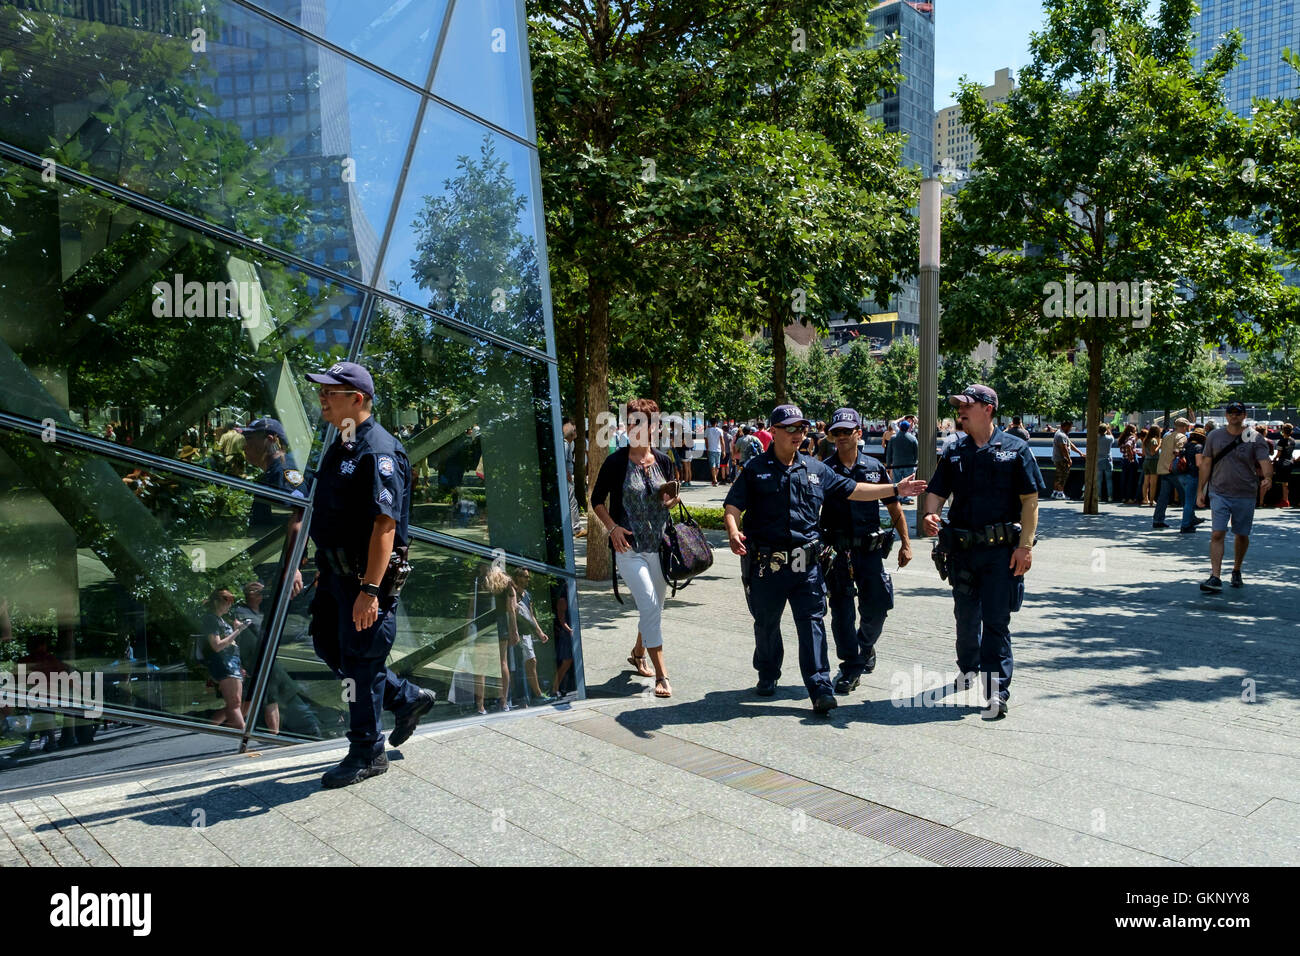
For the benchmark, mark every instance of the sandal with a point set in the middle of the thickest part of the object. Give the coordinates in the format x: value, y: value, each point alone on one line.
x: 639, y: 664
x: 668, y: 689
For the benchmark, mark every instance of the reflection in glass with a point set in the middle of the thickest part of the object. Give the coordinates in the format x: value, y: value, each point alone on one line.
x: 482, y: 66
x: 119, y: 324
x: 106, y: 572
x: 465, y: 239
x: 245, y: 124
x: 476, y: 421
x: 481, y: 636
x: 398, y: 35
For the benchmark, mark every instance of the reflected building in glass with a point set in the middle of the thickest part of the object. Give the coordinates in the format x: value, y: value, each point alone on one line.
x: 203, y: 200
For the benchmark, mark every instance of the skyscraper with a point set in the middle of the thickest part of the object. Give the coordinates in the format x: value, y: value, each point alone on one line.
x: 1269, y: 27
x: 907, y: 109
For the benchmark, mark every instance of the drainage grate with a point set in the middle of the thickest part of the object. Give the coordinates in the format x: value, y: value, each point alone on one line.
x: 924, y: 838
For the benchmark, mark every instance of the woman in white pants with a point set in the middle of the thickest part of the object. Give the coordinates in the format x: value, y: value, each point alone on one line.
x: 637, y: 513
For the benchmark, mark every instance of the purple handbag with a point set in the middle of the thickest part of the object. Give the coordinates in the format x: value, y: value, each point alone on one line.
x: 684, y: 552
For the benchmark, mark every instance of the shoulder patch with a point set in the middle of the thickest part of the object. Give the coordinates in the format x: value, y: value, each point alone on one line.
x: 293, y: 477
x: 385, y: 465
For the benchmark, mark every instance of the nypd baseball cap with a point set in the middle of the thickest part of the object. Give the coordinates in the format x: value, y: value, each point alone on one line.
x: 787, y: 415
x: 845, y: 418
x: 346, y: 373
x: 268, y: 425
x: 975, y: 393
x: 1236, y: 407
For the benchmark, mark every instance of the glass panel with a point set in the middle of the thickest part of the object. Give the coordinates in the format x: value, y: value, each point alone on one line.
x: 219, y: 113
x: 465, y: 239
x: 106, y: 572
x: 476, y: 420
x: 453, y: 637
x: 119, y: 324
x: 398, y: 35
x: 481, y: 66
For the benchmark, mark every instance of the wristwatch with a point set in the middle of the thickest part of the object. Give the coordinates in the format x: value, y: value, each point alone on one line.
x: 895, y: 489
x: 371, y: 589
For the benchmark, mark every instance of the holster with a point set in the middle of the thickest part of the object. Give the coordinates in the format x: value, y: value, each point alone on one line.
x: 399, y: 569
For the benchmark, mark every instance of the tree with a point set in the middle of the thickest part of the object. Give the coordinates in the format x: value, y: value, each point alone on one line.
x: 956, y: 371
x: 1104, y: 193
x: 655, y: 123
x: 898, y: 375
x: 860, y: 378
x: 1028, y: 381
x: 815, y: 384
x: 1273, y: 375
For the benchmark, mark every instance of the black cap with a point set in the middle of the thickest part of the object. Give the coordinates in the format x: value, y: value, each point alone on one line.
x: 787, y: 415
x: 346, y: 373
x: 845, y: 418
x: 973, y: 394
x: 1236, y: 407
x: 268, y: 425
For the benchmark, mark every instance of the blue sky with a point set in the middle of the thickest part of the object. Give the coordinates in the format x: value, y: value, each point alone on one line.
x: 978, y: 37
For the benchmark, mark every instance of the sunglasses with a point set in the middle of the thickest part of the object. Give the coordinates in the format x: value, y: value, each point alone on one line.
x: 794, y: 429
x: 338, y: 391
x: 841, y: 432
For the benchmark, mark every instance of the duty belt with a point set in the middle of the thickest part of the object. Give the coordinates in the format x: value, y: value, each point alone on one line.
x: 875, y: 541
x: 774, y: 560
x: 991, y: 535
x: 338, y: 561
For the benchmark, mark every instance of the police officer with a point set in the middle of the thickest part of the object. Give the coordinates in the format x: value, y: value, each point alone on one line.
x: 362, y: 508
x: 265, y: 447
x: 994, y: 482
x: 779, y: 494
x: 852, y: 529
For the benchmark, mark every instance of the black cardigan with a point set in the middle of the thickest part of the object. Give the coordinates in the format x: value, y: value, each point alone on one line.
x: 609, y: 482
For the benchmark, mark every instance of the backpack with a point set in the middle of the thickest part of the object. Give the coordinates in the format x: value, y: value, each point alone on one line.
x: 1181, y: 463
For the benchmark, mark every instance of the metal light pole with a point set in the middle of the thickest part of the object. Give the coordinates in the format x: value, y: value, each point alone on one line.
x: 928, y: 373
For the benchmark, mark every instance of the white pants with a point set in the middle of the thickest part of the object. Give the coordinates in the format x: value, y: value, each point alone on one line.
x: 644, y: 578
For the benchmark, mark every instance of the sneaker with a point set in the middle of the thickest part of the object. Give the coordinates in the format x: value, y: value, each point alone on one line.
x: 353, y: 769
x: 765, y: 688
x: 996, y: 710
x: 825, y: 704
x: 1158, y: 524
x: 845, y: 685
x: 1212, y: 585
x: 1236, y: 578
x: 409, y: 719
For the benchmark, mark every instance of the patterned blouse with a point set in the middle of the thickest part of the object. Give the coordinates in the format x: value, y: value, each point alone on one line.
x: 646, y: 515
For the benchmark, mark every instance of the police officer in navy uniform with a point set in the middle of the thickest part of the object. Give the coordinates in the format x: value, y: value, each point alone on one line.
x: 852, y: 529
x: 362, y: 509
x: 266, y: 448
x: 779, y: 494
x: 988, y: 542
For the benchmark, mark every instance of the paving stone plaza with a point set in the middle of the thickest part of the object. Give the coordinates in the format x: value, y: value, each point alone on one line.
x: 1150, y: 725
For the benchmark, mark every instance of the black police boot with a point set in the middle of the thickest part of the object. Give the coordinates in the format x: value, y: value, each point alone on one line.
x: 354, y: 768
x: 825, y: 704
x: 409, y: 718
x: 845, y: 685
x: 871, y: 662
x: 996, y: 710
x: 765, y: 688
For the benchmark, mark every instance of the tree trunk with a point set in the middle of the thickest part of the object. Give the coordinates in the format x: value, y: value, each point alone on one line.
x: 580, y: 416
x: 776, y: 325
x: 599, y: 426
x: 1092, y: 425
x: 656, y: 381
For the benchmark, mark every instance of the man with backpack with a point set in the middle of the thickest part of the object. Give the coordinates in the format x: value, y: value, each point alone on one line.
x: 1228, y: 480
x: 1171, y: 447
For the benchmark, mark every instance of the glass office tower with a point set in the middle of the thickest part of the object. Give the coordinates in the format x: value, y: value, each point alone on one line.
x: 201, y: 202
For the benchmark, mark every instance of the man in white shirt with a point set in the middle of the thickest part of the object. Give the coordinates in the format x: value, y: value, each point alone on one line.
x: 713, y: 445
